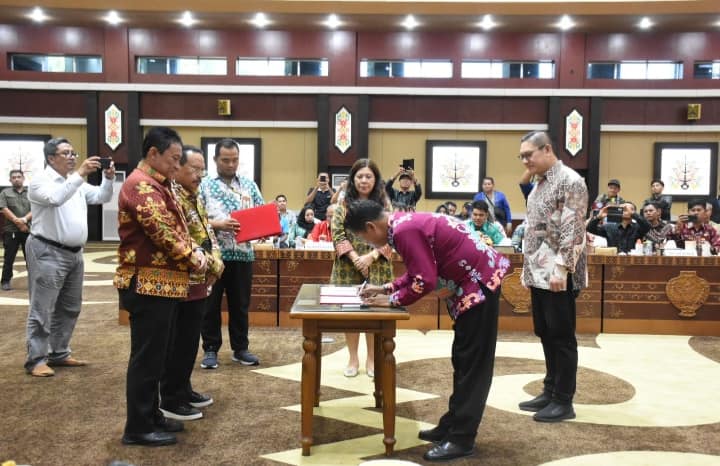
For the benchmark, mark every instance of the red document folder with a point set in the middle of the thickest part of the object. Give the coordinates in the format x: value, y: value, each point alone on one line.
x: 257, y: 222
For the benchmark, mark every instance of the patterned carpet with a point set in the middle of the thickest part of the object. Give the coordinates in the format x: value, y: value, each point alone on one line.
x: 642, y: 399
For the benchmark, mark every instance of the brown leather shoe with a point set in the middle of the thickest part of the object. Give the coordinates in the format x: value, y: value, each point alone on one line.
x: 67, y: 362
x: 42, y: 370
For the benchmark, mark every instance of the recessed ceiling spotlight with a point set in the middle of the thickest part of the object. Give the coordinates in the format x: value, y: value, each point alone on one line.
x: 260, y: 20
x: 645, y: 23
x: 187, y: 19
x: 113, y: 18
x: 37, y: 15
x: 487, y: 23
x: 410, y: 22
x: 565, y: 23
x: 332, y: 21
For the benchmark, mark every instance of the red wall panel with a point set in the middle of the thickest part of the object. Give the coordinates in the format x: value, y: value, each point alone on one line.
x: 658, y: 111
x: 244, y: 107
x: 42, y: 104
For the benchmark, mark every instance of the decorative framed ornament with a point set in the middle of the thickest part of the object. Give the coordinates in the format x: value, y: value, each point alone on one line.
x: 688, y: 169
x: 113, y: 127
x: 574, y: 132
x: 343, y: 129
x: 454, y: 169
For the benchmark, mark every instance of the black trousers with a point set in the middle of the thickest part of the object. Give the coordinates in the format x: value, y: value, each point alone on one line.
x: 473, y: 360
x: 554, y: 323
x: 151, y: 326
x: 175, y: 386
x: 236, y: 282
x: 12, y: 241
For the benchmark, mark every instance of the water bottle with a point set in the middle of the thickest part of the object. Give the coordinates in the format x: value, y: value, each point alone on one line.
x: 648, y: 248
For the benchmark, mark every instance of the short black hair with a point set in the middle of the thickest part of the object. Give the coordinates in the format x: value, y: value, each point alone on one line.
x: 226, y: 143
x: 654, y: 204
x: 189, y: 148
x: 481, y: 205
x: 360, y: 212
x: 51, y: 146
x: 450, y: 203
x: 701, y: 202
x: 492, y: 180
x: 279, y: 196
x: 15, y: 170
x: 161, y: 138
x: 657, y: 180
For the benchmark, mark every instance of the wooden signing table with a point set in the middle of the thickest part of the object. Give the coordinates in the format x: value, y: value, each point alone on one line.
x: 316, y: 319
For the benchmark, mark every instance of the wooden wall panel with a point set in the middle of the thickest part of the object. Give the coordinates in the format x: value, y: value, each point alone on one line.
x: 657, y: 111
x: 42, y: 103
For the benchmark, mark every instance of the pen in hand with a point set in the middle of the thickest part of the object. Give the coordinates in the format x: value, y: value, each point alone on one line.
x: 362, y: 287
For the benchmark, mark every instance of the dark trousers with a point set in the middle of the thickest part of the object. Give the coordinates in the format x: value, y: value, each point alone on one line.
x: 12, y: 241
x: 175, y: 386
x: 473, y: 360
x: 554, y: 322
x: 236, y: 282
x: 151, y: 327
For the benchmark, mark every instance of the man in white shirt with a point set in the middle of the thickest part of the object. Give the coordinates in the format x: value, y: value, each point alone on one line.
x: 58, y: 200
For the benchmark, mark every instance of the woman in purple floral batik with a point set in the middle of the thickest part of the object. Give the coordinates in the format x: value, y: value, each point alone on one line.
x: 441, y: 253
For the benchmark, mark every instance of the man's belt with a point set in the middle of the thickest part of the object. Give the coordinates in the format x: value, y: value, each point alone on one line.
x: 57, y: 245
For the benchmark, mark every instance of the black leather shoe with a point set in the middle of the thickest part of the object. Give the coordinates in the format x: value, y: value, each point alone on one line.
x: 555, y: 412
x: 166, y: 424
x: 151, y: 439
x: 447, y: 451
x: 536, y: 404
x: 432, y: 435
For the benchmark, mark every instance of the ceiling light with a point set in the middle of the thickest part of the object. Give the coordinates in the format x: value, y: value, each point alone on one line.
x: 487, y: 23
x: 645, y: 23
x: 113, y: 18
x: 332, y: 21
x: 187, y: 19
x: 260, y: 20
x: 37, y: 15
x: 565, y: 23
x: 410, y: 22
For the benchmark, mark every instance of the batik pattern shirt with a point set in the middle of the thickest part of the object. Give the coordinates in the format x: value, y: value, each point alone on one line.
x: 488, y: 229
x: 202, y: 233
x: 555, y: 232
x: 685, y: 232
x: 221, y: 200
x: 659, y: 232
x: 440, y: 252
x: 155, y: 245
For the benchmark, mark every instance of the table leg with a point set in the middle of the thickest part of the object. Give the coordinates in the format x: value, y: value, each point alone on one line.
x: 318, y: 370
x: 308, y: 389
x: 378, y: 393
x: 388, y: 386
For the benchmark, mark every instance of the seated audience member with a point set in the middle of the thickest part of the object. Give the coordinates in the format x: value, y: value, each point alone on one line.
x: 441, y: 209
x: 621, y: 235
x: 663, y: 201
x: 321, y: 231
x: 466, y: 212
x: 659, y: 229
x: 303, y: 226
x: 497, y: 203
x: 612, y: 197
x: 404, y: 196
x: 481, y: 225
x: 709, y: 208
x: 287, y: 220
x: 518, y: 235
x: 451, y: 208
x: 320, y: 195
x: 694, y: 226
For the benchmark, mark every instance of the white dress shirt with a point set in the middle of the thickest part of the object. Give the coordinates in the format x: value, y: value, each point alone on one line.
x: 59, y: 205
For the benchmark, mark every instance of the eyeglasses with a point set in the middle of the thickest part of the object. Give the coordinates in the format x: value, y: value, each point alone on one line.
x: 199, y: 171
x: 68, y: 154
x: 528, y: 154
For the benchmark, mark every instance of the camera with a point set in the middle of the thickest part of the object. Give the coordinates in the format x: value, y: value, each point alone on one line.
x: 105, y: 163
x: 408, y: 164
x: 323, y: 178
x: 692, y: 218
x: 614, y: 214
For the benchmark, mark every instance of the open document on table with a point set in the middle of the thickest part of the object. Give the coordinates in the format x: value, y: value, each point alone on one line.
x: 340, y: 295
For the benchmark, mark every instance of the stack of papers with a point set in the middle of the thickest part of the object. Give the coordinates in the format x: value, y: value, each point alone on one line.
x: 340, y: 295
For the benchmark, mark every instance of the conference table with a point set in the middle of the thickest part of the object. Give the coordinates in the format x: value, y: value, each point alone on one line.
x: 318, y: 318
